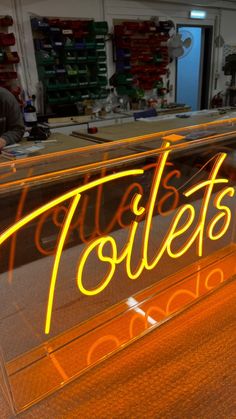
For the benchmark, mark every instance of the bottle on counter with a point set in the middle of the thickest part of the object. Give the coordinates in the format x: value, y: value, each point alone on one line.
x: 30, y: 115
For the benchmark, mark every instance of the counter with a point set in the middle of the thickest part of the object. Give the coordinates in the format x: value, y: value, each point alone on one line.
x: 148, y: 126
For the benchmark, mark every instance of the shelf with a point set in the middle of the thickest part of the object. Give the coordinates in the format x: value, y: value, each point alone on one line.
x: 71, y: 59
x: 8, y: 59
x: 141, y: 55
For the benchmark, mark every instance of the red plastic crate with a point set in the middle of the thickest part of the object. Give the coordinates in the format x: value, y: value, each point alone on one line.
x: 54, y: 22
x: 7, y: 39
x: 148, y: 26
x: 132, y: 26
x: 6, y: 21
x: 79, y: 25
x: 80, y: 33
x: 123, y: 43
x: 120, y: 30
x: 8, y: 75
x: 146, y: 86
x: 11, y: 58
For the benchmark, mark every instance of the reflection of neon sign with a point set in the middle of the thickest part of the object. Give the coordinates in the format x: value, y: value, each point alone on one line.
x: 105, y: 247
x: 167, y: 203
x: 145, y: 315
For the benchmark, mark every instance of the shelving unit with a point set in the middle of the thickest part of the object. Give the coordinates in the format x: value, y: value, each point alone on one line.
x: 141, y: 56
x: 71, y: 61
x: 8, y: 58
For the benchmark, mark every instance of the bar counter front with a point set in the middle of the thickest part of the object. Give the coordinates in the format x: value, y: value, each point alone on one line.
x: 102, y: 244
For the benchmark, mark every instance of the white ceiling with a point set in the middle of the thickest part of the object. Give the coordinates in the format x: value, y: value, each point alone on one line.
x: 224, y: 4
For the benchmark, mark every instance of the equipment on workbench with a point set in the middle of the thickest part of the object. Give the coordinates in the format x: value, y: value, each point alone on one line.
x: 38, y: 133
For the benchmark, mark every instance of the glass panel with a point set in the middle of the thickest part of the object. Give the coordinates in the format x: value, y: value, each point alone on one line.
x: 94, y: 256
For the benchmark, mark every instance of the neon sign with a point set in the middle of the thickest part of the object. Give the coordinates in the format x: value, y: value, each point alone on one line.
x: 186, y: 224
x: 166, y: 204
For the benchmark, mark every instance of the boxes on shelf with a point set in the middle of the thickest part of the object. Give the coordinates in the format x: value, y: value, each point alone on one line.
x: 74, y: 49
x: 141, y: 51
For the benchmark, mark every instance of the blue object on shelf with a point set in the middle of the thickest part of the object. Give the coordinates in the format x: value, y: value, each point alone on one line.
x: 145, y: 114
x: 41, y: 24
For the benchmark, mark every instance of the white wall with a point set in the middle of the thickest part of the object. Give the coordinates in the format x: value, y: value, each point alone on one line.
x: 228, y: 32
x: 104, y: 10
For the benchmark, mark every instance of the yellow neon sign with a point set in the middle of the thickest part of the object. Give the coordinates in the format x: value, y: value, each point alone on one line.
x: 106, y: 247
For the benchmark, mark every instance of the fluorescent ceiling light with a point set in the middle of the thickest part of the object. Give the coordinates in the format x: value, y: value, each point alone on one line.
x: 198, y: 14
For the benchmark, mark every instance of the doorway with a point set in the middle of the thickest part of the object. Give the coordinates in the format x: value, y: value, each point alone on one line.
x: 193, y: 68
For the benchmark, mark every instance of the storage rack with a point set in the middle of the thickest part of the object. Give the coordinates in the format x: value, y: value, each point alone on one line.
x: 71, y: 61
x: 141, y: 56
x: 8, y: 58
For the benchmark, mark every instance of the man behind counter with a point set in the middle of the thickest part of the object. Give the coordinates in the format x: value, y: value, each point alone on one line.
x: 11, y: 120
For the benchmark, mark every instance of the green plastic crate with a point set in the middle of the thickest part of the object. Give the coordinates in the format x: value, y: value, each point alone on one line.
x: 100, y: 44
x: 85, y: 94
x: 83, y: 82
x: 102, y: 68
x: 70, y: 58
x: 45, y: 72
x: 91, y: 57
x: 72, y: 97
x: 90, y: 44
x: 102, y: 81
x: 82, y: 70
x: 103, y: 94
x: 58, y: 99
x: 45, y: 58
x: 124, y: 78
x: 55, y: 85
x: 72, y: 70
x: 93, y: 83
x: 81, y: 58
x: 69, y: 44
x: 101, y: 56
x: 95, y: 95
x: 126, y: 90
x: 98, y: 28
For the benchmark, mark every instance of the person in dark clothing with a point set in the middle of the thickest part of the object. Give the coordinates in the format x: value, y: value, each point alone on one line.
x: 11, y: 121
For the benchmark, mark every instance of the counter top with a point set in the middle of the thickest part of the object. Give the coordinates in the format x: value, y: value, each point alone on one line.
x: 149, y: 126
x: 56, y: 142
x: 121, y: 115
x: 68, y: 155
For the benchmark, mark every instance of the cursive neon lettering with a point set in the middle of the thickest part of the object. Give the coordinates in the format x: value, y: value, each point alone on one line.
x: 106, y: 248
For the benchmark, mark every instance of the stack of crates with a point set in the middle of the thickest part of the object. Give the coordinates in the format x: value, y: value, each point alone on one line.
x: 71, y: 60
x: 9, y: 58
x: 141, y: 55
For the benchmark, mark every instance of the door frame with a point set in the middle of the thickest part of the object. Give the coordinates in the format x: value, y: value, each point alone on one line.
x: 206, y: 63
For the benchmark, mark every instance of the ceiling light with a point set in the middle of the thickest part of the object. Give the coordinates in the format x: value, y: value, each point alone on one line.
x: 198, y: 14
